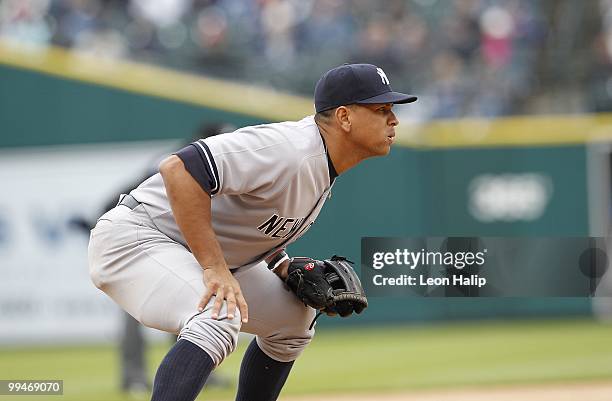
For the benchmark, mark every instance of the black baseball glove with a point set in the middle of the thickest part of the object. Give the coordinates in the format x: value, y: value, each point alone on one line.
x: 330, y: 286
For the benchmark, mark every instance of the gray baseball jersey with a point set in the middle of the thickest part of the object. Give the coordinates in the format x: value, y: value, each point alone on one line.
x: 268, y: 184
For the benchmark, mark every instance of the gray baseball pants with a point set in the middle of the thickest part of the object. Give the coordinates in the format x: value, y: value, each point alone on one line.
x: 160, y: 283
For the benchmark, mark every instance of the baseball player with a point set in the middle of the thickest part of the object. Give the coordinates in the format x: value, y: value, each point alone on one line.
x: 199, y: 249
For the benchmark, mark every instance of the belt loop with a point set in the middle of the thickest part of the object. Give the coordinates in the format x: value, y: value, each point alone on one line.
x: 121, y: 197
x: 128, y: 200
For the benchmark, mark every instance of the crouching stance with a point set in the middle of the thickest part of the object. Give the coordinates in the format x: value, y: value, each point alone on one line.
x: 198, y: 249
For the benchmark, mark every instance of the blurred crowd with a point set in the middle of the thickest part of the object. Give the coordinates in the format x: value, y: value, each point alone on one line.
x: 463, y: 57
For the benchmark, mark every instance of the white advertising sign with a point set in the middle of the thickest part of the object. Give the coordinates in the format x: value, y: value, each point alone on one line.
x: 46, y: 295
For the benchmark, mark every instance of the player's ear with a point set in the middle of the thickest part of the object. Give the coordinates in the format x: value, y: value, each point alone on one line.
x: 342, y: 115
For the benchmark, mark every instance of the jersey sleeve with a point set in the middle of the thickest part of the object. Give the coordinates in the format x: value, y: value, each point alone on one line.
x: 200, y: 164
x: 240, y: 162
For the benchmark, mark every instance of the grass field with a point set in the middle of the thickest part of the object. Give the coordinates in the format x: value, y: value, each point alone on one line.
x: 367, y: 360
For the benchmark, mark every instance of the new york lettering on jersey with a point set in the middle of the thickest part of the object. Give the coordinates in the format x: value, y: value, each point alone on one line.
x: 280, y: 227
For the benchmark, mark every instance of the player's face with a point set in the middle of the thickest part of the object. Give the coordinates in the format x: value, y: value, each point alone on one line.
x: 373, y: 128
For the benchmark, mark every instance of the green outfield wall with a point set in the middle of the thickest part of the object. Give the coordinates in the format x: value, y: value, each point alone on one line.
x: 433, y: 182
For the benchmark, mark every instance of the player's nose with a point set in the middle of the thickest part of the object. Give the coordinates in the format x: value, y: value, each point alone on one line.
x: 393, y: 121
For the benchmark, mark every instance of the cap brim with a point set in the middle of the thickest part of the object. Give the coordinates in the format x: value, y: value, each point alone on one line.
x: 390, y: 97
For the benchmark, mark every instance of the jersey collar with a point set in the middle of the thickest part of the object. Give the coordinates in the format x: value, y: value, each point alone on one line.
x: 330, y: 166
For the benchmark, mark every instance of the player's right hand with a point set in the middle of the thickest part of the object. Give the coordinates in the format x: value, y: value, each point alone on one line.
x: 221, y: 284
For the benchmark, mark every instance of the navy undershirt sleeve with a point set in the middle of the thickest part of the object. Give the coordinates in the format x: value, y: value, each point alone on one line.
x: 200, y: 164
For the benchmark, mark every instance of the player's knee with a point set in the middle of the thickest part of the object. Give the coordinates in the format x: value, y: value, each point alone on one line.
x: 287, y: 343
x: 217, y: 337
x: 285, y: 349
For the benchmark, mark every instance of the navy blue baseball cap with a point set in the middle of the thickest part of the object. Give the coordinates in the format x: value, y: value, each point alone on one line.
x: 356, y: 83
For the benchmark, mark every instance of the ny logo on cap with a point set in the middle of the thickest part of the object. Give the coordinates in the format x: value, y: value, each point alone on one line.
x: 383, y: 76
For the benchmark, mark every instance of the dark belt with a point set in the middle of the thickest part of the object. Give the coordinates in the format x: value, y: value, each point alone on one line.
x: 129, y: 201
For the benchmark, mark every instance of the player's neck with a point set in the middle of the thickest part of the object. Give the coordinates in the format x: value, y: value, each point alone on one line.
x: 343, y: 157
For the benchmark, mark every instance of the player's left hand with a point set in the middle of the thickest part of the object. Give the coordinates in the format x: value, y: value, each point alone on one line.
x: 330, y: 286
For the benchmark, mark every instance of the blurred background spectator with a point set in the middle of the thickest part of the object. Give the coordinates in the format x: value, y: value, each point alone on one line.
x: 467, y: 57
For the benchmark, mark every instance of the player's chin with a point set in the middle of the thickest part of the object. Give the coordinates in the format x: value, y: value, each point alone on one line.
x: 380, y: 149
x: 385, y: 148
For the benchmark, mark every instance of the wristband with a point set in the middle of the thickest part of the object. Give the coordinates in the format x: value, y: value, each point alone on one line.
x: 278, y: 260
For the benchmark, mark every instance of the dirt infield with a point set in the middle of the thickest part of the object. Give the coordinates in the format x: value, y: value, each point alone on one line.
x: 597, y: 391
